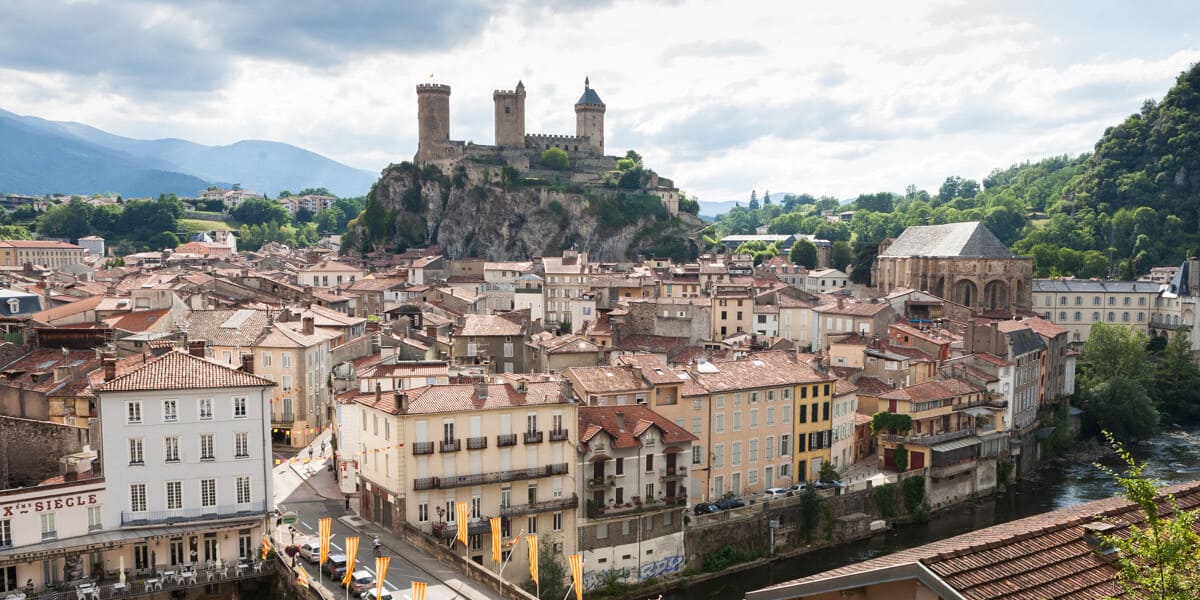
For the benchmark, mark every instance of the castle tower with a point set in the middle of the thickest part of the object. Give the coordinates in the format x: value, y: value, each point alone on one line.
x: 510, y: 117
x: 589, y: 117
x: 433, y: 119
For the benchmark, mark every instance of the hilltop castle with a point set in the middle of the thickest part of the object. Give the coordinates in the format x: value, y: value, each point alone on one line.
x: 433, y: 120
x: 514, y: 147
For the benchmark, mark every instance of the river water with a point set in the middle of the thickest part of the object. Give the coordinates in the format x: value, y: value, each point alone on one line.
x: 1171, y: 457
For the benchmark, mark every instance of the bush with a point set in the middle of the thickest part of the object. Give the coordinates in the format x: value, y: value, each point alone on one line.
x: 913, y: 490
x: 885, y: 500
x: 725, y: 557
x: 556, y: 158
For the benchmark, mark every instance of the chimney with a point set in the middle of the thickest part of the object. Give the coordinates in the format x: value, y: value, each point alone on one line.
x: 307, y: 327
x: 109, y: 362
x: 620, y: 421
x: 431, y: 331
x: 197, y: 348
x: 841, y: 304
x: 481, y: 391
x: 248, y: 362
x: 401, y: 401
x: 61, y: 374
x: 378, y: 392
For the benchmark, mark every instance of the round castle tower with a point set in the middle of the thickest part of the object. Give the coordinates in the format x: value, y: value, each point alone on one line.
x: 510, y: 117
x: 433, y: 119
x: 589, y: 117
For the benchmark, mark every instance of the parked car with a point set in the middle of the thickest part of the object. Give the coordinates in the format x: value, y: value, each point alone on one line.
x: 797, y: 488
x: 705, y: 508
x: 827, y: 485
x: 775, y: 492
x: 335, y: 566
x: 728, y: 503
x: 360, y: 582
x: 369, y: 594
x: 310, y: 552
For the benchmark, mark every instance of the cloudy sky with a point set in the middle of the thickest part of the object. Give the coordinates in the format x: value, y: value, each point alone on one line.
x: 821, y: 97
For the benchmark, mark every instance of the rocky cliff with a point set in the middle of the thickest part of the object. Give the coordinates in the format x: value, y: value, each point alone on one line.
x: 497, y: 214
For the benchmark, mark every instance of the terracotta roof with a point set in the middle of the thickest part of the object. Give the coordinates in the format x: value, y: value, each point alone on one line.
x: 39, y: 244
x: 331, y: 266
x: 606, y: 380
x: 1043, y: 327
x: 932, y: 390
x: 992, y: 358
x: 855, y: 309
x: 181, y: 371
x: 763, y: 369
x: 459, y: 397
x: 651, y: 343
x: 136, y: 321
x: 871, y: 386
x: 489, y: 325
x: 843, y: 387
x: 420, y: 369
x: 625, y: 423
x: 226, y: 327
x: 60, y: 312
x: 1043, y: 556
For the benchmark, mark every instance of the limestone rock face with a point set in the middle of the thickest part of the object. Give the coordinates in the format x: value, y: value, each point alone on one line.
x: 474, y: 213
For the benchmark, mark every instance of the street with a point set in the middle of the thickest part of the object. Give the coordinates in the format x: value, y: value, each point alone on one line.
x: 311, y: 491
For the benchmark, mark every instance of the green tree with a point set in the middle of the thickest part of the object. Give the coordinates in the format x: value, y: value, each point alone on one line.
x: 330, y: 220
x: 753, y: 200
x: 1158, y: 557
x: 900, y: 457
x: 810, y: 511
x: 1175, y: 385
x: 828, y: 473
x: 304, y: 215
x: 556, y: 158
x: 257, y: 211
x: 841, y: 256
x: 72, y: 220
x: 1114, y: 352
x: 803, y: 253
x: 1121, y: 406
x: 14, y: 232
x: 552, y: 576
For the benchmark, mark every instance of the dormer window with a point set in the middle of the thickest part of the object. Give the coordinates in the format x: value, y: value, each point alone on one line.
x: 14, y: 305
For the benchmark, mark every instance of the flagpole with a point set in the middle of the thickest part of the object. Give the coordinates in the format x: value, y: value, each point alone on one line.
x: 500, y: 573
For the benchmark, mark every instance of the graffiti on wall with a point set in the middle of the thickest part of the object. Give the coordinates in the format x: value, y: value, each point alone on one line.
x: 651, y: 569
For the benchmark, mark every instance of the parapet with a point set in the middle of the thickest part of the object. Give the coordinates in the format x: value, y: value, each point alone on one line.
x: 433, y: 88
x: 506, y: 93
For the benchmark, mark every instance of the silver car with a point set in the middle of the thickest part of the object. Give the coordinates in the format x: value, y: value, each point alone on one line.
x: 360, y: 582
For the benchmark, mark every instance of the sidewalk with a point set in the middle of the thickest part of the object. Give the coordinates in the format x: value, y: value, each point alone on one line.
x: 315, y: 471
x: 453, y: 583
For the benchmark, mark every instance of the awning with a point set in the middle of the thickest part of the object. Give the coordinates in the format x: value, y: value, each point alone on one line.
x: 966, y: 442
x: 108, y: 540
x: 599, y: 457
x: 977, y: 411
x: 672, y: 450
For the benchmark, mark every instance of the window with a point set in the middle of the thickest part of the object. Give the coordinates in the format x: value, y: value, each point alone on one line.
x: 174, y: 495
x: 1111, y: 315
x: 170, y: 411
x: 719, y: 455
x: 137, y: 497
x: 208, y: 492
x: 1096, y: 316
x: 752, y: 451
x: 1078, y: 300
x: 787, y: 414
x: 241, y: 445
x: 803, y: 413
x: 697, y: 454
x: 825, y: 411
x: 243, y: 490
x: 1125, y: 315
x: 532, y: 528
x: 133, y: 411
x: 266, y: 359
x: 1078, y: 316
x: 49, y: 530
x: 531, y: 423
x: 1125, y: 300
x: 785, y: 445
x: 735, y: 454
x: 171, y: 449
x: 206, y: 413
x: 737, y: 420
x: 770, y: 416
x: 5, y: 533
x: 719, y: 424
x: 557, y: 521
x: 1062, y: 315
x: 239, y: 407
x: 95, y: 519
x: 285, y: 359
x: 423, y: 511
x: 754, y: 419
x: 206, y: 446
x: 720, y: 401
x: 136, y: 454
x: 620, y: 467
x: 649, y: 462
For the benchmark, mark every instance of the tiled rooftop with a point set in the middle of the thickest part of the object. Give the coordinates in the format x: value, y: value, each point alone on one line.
x: 181, y: 371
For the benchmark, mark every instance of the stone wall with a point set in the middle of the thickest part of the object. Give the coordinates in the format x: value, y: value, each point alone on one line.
x: 23, y: 403
x: 29, y: 449
x: 355, y: 348
x: 506, y: 590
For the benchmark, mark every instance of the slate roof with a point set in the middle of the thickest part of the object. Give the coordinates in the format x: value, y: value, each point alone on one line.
x: 1094, y: 286
x: 181, y: 371
x: 1043, y: 556
x: 962, y: 240
x: 590, y: 96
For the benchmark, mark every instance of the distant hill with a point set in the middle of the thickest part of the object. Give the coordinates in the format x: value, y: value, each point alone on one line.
x: 39, y: 156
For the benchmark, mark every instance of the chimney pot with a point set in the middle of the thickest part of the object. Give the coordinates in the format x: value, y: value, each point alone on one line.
x: 308, y: 326
x: 197, y: 348
x: 401, y: 401
x: 378, y: 392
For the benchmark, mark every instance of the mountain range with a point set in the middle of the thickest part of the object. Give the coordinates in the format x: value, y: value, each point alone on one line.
x: 38, y: 156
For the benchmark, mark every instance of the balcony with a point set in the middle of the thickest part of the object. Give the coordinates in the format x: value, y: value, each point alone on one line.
x: 982, y: 402
x: 674, y: 472
x: 533, y: 437
x: 506, y: 439
x: 476, y: 443
x: 554, y: 505
x: 192, y: 514
x: 558, y: 435
x: 595, y: 483
x: 457, y: 481
x: 448, y: 530
x: 286, y: 418
x: 422, y: 448
x: 926, y: 440
x: 450, y: 446
x: 107, y: 587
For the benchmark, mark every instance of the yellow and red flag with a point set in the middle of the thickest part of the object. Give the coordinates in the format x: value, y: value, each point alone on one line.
x: 495, y: 521
x: 351, y: 556
x: 460, y: 514
x: 381, y: 567
x: 325, y: 526
x: 531, y: 540
x: 301, y: 577
x: 418, y: 590
x: 576, y: 562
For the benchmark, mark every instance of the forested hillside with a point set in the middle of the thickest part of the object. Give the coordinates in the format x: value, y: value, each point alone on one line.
x: 1132, y: 204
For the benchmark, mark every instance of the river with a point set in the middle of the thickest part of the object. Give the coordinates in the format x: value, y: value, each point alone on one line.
x: 1171, y: 457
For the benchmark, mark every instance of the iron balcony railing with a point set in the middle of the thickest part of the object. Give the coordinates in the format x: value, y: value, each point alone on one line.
x: 558, y: 435
x: 450, y: 446
x: 539, y: 507
x: 926, y: 440
x: 442, y: 483
x: 190, y: 514
x: 476, y: 443
x: 422, y: 448
x: 533, y: 437
x: 506, y: 439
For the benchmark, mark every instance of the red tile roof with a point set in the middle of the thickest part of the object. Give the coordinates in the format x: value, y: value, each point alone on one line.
x: 625, y: 423
x: 181, y: 371
x: 458, y: 397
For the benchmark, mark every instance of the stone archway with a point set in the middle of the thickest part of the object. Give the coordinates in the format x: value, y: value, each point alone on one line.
x: 938, y: 287
x: 995, y: 295
x: 965, y: 293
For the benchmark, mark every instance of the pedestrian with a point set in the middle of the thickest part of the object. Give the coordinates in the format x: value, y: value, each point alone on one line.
x: 292, y: 530
x: 310, y: 453
x: 322, y: 447
x: 378, y: 547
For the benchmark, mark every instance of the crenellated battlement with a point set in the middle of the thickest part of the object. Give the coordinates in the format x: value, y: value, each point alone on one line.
x: 555, y: 138
x: 433, y: 88
x: 506, y: 93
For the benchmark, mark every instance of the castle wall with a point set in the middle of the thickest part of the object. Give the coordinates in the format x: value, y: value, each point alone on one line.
x: 433, y: 119
x: 982, y: 284
x: 510, y: 118
x: 589, y: 123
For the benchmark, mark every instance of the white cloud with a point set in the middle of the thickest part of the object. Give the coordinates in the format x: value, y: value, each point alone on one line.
x: 722, y: 97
